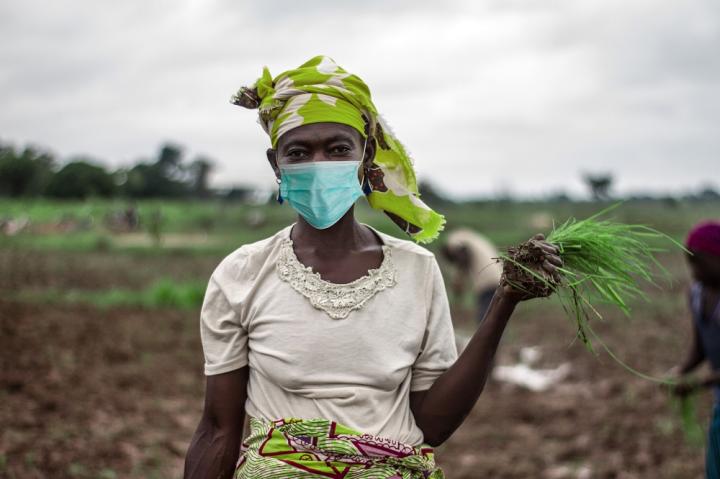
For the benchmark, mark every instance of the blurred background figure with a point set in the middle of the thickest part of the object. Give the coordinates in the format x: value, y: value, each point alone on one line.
x: 474, y: 267
x: 703, y: 242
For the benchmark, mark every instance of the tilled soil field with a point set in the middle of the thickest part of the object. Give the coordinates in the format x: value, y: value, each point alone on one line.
x: 117, y: 393
x: 93, y: 393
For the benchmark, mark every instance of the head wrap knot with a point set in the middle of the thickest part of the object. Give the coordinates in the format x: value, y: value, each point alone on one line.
x: 319, y: 91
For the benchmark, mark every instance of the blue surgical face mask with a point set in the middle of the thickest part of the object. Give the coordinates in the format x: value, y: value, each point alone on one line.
x: 321, y: 191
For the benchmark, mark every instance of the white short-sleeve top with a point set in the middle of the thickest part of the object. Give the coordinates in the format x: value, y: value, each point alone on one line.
x: 351, y: 352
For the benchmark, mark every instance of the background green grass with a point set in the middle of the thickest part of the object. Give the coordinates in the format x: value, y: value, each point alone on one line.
x: 227, y: 225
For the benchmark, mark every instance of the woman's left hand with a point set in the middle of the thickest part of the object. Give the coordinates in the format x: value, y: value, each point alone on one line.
x: 684, y: 387
x: 549, y: 268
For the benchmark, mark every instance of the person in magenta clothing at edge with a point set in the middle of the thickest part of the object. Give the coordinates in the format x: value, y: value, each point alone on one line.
x: 703, y: 244
x: 333, y: 338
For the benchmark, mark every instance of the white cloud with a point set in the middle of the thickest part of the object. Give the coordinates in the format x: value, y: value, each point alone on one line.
x: 486, y: 95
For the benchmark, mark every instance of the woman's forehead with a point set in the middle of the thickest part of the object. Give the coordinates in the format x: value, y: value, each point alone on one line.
x: 319, y: 132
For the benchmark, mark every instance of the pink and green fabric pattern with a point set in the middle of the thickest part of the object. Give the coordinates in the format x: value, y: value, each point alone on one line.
x: 297, y: 448
x: 319, y: 91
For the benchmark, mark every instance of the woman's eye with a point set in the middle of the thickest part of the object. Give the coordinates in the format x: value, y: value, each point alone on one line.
x: 343, y: 149
x: 295, y: 154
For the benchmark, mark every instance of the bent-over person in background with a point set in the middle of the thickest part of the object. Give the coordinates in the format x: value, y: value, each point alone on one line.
x: 474, y: 267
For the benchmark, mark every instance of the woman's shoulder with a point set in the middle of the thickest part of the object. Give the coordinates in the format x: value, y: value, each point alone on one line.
x: 251, y: 256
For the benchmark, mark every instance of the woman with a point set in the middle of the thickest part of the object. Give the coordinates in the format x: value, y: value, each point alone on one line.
x: 335, y: 339
x: 703, y: 243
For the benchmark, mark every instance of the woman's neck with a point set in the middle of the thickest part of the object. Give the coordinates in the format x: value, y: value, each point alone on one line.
x: 344, y: 236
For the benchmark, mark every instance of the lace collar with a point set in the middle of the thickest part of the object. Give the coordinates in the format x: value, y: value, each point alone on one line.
x: 337, y: 300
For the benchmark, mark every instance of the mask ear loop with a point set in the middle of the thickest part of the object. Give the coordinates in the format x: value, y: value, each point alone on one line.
x: 365, y: 183
x: 279, y: 199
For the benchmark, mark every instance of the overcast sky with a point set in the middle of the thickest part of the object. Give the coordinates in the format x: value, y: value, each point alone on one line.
x: 488, y: 96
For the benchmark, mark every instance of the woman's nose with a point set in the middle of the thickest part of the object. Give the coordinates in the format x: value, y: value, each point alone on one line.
x: 320, y: 155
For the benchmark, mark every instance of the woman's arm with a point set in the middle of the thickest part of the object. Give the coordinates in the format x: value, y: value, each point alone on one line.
x: 215, y: 446
x: 679, y: 384
x: 442, y: 408
x: 712, y: 380
x: 682, y: 385
x: 695, y: 356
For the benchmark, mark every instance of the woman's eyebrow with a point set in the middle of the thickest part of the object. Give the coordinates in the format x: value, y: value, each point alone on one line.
x: 304, y: 143
x: 299, y: 142
x: 340, y: 137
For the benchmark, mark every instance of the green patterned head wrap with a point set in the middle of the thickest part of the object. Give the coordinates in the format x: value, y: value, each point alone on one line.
x: 319, y: 91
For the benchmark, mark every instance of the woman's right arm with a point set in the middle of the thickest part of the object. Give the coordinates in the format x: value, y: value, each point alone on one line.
x: 695, y: 355
x: 215, y: 446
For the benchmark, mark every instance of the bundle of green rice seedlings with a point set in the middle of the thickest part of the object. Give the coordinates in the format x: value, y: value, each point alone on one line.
x: 603, y: 262
x: 693, y: 431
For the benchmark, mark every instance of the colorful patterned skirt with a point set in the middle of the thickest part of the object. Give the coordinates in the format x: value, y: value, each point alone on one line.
x: 297, y: 448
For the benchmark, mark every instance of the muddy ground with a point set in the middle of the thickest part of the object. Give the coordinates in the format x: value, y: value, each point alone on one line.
x: 117, y: 393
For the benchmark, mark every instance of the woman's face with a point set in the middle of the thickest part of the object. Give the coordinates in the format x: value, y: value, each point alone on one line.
x: 320, y: 142
x: 705, y: 268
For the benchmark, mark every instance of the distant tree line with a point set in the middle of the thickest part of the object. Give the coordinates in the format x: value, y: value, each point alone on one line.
x: 599, y: 185
x: 31, y: 171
